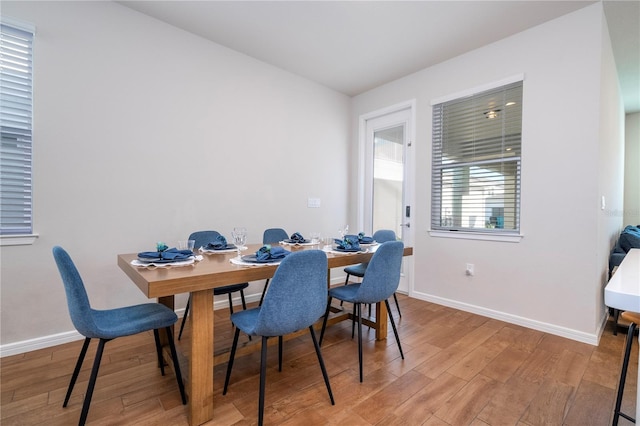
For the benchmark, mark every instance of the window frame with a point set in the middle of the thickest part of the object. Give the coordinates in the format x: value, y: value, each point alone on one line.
x: 20, y: 122
x: 460, y: 232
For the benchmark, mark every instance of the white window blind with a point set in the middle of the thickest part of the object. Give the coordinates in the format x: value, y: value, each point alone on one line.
x: 476, y: 162
x: 16, y: 72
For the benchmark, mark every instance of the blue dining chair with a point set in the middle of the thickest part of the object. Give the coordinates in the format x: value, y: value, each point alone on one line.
x: 379, y: 282
x: 380, y: 236
x: 202, y: 238
x: 295, y: 301
x: 271, y: 236
x: 109, y: 324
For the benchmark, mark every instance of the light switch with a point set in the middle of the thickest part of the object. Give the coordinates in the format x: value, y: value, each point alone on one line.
x: 602, y: 203
x: 313, y: 203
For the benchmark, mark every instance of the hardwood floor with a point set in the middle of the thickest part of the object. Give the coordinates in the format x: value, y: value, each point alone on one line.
x: 459, y: 369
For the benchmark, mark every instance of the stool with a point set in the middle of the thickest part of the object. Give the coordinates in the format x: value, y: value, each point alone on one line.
x: 634, y: 319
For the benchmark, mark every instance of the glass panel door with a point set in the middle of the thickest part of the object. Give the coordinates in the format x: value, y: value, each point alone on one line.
x: 388, y: 178
x: 386, y: 196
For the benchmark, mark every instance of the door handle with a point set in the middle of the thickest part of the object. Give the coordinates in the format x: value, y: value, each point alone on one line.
x: 408, y: 225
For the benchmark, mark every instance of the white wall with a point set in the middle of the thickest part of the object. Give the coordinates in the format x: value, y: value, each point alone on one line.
x: 145, y: 133
x: 139, y: 127
x: 632, y: 170
x: 610, y: 166
x: 552, y: 279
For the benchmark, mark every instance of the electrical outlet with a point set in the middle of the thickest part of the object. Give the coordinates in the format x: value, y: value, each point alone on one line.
x: 470, y: 269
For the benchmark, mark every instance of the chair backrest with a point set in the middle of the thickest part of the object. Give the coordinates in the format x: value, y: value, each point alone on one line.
x: 202, y: 238
x: 77, y: 299
x: 274, y: 235
x: 382, y: 277
x: 384, y: 235
x: 297, y: 295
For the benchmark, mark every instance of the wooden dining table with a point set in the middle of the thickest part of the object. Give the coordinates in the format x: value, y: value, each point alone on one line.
x: 199, y: 279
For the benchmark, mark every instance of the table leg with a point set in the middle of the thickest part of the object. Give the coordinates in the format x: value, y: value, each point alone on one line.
x: 381, y: 320
x: 169, y: 302
x: 200, y: 383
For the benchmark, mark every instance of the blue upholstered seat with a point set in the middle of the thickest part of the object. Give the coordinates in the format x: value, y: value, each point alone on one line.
x: 379, y: 283
x: 380, y: 236
x: 202, y: 238
x: 272, y: 236
x: 109, y: 324
x: 296, y: 300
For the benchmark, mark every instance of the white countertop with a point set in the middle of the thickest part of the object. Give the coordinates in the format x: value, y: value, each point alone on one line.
x: 623, y: 290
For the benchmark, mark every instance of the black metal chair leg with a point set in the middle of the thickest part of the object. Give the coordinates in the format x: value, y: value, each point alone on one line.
x: 244, y: 303
x: 263, y: 380
x: 232, y: 355
x: 156, y: 336
x: 395, y: 330
x: 623, y: 377
x: 321, y: 361
x: 76, y: 370
x: 264, y: 291
x: 92, y: 383
x: 359, y: 309
x: 324, y: 322
x: 230, y: 304
x: 176, y: 365
x: 184, y: 317
x: 397, y: 305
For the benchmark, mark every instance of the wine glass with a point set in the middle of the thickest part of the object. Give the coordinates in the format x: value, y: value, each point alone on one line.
x: 239, y: 238
x: 315, y: 238
x: 343, y: 231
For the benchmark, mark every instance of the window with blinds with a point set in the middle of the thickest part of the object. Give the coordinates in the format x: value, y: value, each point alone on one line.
x: 16, y: 46
x: 476, y: 162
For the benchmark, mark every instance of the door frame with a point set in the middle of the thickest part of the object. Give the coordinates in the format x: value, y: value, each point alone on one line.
x: 409, y: 176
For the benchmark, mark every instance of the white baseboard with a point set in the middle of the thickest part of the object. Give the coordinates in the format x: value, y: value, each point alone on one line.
x: 43, y: 342
x: 592, y: 339
x: 39, y: 343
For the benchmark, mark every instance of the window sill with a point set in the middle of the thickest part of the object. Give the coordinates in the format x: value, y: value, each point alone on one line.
x: 510, y: 238
x: 18, y: 240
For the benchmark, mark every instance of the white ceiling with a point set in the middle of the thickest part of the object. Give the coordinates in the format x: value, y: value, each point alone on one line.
x: 354, y: 46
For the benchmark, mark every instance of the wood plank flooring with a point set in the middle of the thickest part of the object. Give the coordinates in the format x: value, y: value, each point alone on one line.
x: 459, y: 369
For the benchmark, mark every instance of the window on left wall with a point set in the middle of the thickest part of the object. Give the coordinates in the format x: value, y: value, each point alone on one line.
x: 16, y: 128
